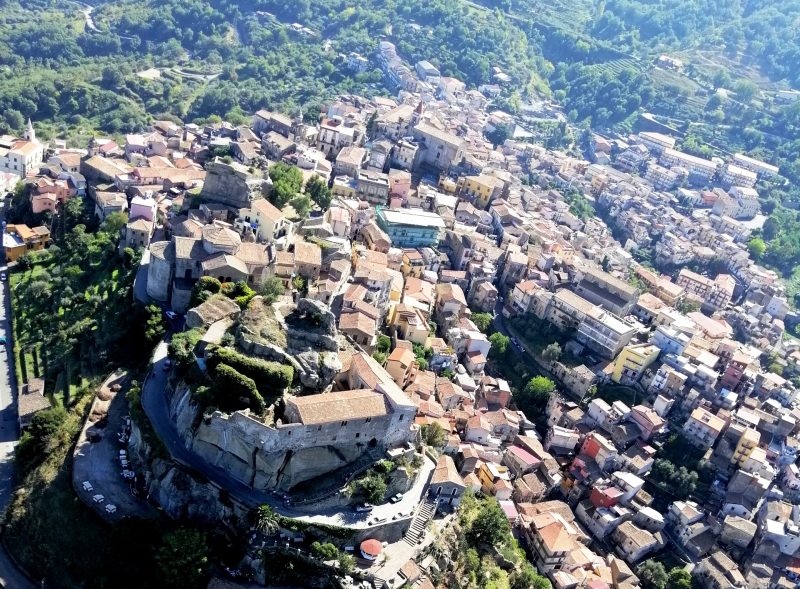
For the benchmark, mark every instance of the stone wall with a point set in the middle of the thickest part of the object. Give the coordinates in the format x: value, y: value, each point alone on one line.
x: 233, y: 185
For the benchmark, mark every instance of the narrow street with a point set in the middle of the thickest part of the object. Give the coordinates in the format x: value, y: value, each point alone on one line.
x: 9, y: 426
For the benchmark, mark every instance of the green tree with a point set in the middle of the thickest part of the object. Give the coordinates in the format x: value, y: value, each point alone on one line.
x: 325, y: 551
x: 114, y: 223
x: 154, y: 327
x: 317, y: 189
x: 302, y: 205
x: 552, y: 352
x: 526, y: 577
x: 272, y: 289
x: 265, y: 520
x: 652, y: 575
x: 538, y: 390
x: 757, y: 247
x: 40, y: 437
x: 346, y: 563
x: 721, y: 79
x: 286, y: 183
x: 372, y: 487
x: 433, y: 435
x: 490, y: 527
x: 380, y: 357
x: 499, y: 134
x: 679, y: 578
x: 384, y: 343
x: 482, y: 321
x: 745, y: 91
x: 182, y: 559
x: 499, y: 344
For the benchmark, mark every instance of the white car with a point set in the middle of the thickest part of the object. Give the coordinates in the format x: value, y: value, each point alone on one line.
x: 98, y: 498
x: 363, y: 508
x: 87, y: 486
x: 111, y: 508
x: 172, y: 315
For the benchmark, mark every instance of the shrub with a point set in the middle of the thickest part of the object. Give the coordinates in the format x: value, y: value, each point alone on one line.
x: 325, y: 551
x: 182, y: 345
x: 205, y: 286
x: 372, y: 487
x: 268, y: 376
x: 231, y: 387
x: 384, y: 466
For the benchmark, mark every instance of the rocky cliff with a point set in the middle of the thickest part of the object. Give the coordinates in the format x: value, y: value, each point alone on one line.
x: 304, y: 336
x: 233, y: 185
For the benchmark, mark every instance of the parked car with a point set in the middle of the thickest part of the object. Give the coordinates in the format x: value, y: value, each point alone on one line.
x: 3, y: 277
x: 2, y: 341
x: 171, y: 315
x: 167, y: 364
x: 396, y: 498
x: 363, y: 508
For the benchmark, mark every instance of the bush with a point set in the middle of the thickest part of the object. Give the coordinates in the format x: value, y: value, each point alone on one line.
x: 205, y: 287
x: 325, y: 551
x: 181, y: 347
x: 372, y: 487
x: 268, y: 376
x: 384, y: 466
x: 239, y: 292
x: 38, y: 440
x: 384, y: 343
x: 232, y: 387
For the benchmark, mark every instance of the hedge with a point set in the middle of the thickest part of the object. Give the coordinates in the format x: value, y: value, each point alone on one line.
x: 268, y: 376
x: 230, y: 386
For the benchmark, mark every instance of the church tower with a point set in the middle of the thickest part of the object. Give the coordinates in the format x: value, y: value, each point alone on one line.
x: 30, y: 133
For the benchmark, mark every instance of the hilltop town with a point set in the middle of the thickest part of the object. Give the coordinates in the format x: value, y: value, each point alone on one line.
x: 376, y: 316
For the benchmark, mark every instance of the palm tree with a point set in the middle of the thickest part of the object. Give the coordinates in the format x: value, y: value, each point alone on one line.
x: 265, y: 520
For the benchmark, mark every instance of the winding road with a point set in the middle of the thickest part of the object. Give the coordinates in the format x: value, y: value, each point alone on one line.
x: 154, y: 401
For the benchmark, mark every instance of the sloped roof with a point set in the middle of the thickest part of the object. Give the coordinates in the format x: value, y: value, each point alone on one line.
x: 339, y: 406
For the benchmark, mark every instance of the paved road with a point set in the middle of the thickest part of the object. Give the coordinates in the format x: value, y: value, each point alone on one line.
x: 9, y: 430
x: 154, y: 401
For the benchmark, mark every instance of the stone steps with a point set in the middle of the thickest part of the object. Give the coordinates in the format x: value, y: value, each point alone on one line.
x: 417, y: 529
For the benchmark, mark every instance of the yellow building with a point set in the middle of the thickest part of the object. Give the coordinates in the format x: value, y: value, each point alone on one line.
x: 744, y: 449
x: 18, y: 240
x: 481, y: 189
x: 411, y: 323
x: 632, y: 361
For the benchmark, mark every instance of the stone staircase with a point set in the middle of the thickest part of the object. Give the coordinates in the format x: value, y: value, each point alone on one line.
x: 416, y: 530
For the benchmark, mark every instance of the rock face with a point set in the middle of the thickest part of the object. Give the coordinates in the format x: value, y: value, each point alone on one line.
x: 233, y: 185
x: 307, y: 339
x: 265, y: 457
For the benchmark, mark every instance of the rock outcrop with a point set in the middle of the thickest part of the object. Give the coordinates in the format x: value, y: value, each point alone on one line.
x: 305, y: 337
x: 233, y: 185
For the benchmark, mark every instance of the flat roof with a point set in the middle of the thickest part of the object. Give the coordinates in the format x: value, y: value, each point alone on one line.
x: 416, y: 217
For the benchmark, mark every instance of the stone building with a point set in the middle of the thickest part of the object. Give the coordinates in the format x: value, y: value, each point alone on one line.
x: 177, y: 264
x: 318, y: 433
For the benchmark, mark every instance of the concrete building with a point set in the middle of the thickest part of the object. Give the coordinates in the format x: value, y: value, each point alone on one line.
x: 410, y: 228
x: 631, y: 363
x: 703, y: 427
